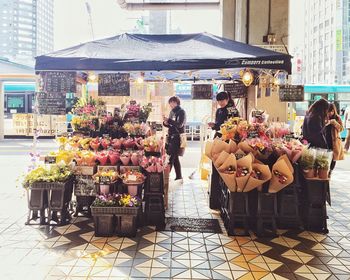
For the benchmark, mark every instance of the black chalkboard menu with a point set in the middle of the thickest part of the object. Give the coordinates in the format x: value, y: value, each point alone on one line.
x: 55, y: 81
x: 51, y: 103
x: 202, y: 91
x: 237, y: 90
x: 114, y: 84
x: 291, y: 93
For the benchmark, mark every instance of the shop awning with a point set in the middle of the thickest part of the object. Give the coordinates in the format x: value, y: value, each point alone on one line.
x: 139, y: 52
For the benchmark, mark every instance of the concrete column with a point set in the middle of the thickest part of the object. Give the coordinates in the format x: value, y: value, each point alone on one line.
x: 2, y: 111
x: 228, y: 12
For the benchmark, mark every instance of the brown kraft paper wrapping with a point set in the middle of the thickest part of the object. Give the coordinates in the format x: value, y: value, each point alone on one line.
x: 283, y: 166
x: 265, y: 176
x: 221, y: 159
x: 244, y: 146
x: 229, y: 179
x: 240, y: 152
x: 218, y: 147
x: 244, y: 162
x: 233, y: 146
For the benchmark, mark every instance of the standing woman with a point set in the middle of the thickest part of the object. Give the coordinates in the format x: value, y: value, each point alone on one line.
x: 333, y: 129
x: 314, y: 126
x: 176, y: 126
x: 226, y: 110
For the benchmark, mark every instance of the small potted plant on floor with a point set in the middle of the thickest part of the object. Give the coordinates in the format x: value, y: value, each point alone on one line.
x: 322, y: 164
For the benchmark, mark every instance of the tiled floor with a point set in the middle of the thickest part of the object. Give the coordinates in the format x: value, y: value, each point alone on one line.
x: 72, y: 251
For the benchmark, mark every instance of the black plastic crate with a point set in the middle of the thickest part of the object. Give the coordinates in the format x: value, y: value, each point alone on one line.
x: 126, y: 225
x: 289, y: 210
x: 237, y: 213
x: 83, y: 205
x: 104, y: 225
x: 266, y: 214
x: 154, y: 210
x: 316, y: 219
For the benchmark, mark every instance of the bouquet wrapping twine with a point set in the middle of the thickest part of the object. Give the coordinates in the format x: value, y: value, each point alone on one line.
x: 265, y: 176
x: 284, y: 167
x: 229, y: 178
x: 245, y: 162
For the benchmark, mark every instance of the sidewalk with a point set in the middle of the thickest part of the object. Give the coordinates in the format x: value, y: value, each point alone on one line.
x: 72, y: 251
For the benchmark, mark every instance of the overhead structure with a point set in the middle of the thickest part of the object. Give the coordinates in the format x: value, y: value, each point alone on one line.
x: 140, y: 52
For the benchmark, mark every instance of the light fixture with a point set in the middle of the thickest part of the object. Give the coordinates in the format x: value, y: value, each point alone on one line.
x: 92, y: 77
x: 141, y: 78
x: 247, y: 77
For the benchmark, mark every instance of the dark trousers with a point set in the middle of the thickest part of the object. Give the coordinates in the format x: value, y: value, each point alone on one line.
x: 174, y: 161
x: 332, y: 164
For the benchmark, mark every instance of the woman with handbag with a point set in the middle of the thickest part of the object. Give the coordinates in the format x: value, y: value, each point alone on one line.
x: 175, y: 145
x: 333, y: 129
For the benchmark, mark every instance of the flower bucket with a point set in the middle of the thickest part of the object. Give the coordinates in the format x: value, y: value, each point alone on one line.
x: 132, y: 189
x: 104, y: 189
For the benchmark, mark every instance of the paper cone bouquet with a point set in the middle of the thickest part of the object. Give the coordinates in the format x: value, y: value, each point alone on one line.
x: 282, y: 174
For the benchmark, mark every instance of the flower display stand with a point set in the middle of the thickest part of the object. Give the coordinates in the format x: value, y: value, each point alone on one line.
x: 58, y: 196
x: 214, y: 189
x: 119, y: 220
x: 37, y: 202
x: 316, y: 194
x: 266, y: 214
x: 238, y: 212
x: 154, y: 183
x: 154, y: 209
x: 85, y: 193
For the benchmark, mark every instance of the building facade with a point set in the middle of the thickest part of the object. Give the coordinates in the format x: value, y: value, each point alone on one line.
x: 26, y: 29
x: 326, y: 42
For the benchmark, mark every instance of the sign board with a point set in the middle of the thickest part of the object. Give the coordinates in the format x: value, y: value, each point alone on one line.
x: 291, y: 93
x: 202, y: 91
x: 23, y: 124
x: 51, y: 103
x: 237, y: 90
x: 114, y: 84
x: 55, y: 81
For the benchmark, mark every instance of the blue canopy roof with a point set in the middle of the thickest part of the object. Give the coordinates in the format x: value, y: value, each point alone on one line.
x: 140, y: 52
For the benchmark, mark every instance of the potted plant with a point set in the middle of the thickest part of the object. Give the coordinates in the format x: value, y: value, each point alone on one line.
x: 322, y: 164
x: 118, y: 209
x: 307, y: 163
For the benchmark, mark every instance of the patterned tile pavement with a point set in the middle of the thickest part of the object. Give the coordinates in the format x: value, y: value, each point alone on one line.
x: 73, y: 252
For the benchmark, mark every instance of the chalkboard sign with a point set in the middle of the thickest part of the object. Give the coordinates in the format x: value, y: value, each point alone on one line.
x: 253, y: 134
x: 237, y: 90
x: 202, y: 91
x: 114, y: 84
x: 51, y: 103
x: 291, y: 93
x: 54, y: 81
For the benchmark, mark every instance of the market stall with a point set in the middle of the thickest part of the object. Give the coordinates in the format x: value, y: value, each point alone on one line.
x: 118, y: 160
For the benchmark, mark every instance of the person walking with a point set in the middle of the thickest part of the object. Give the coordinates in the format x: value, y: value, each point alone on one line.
x: 176, y: 128
x: 314, y: 125
x: 333, y: 129
x: 226, y: 110
x: 347, y: 127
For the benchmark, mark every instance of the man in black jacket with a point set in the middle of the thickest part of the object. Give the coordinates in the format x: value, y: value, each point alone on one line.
x: 176, y: 125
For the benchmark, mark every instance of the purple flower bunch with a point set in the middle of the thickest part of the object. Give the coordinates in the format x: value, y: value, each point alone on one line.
x: 117, y: 200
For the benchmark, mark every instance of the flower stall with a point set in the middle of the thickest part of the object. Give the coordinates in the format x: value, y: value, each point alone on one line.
x: 265, y: 173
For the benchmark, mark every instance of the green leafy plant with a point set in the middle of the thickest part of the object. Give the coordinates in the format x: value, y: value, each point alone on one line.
x: 307, y: 160
x: 322, y: 162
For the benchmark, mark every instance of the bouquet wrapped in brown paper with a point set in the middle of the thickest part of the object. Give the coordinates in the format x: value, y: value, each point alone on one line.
x: 260, y: 174
x: 244, y: 168
x: 233, y: 146
x: 227, y: 172
x: 245, y: 147
x: 218, y: 147
x: 221, y: 159
x: 282, y: 174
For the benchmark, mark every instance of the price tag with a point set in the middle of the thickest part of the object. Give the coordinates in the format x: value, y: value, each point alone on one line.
x: 132, y: 178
